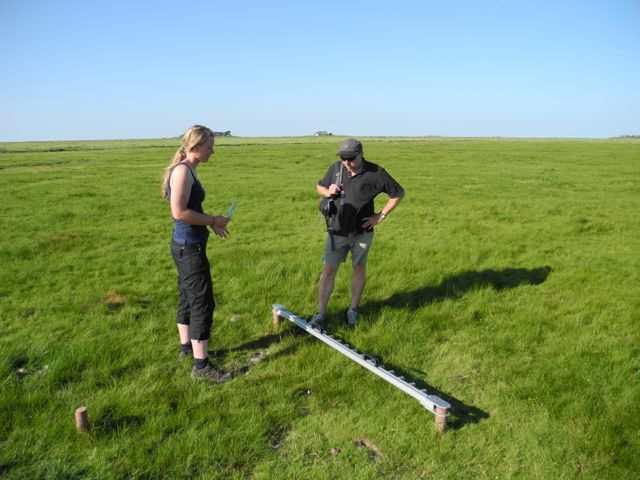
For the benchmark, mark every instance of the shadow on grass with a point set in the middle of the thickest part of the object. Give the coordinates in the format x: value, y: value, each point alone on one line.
x: 261, y: 343
x: 112, y: 420
x: 259, y: 347
x: 461, y: 414
x: 455, y: 286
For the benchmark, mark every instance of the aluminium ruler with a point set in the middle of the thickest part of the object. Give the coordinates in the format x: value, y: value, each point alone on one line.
x: 433, y: 403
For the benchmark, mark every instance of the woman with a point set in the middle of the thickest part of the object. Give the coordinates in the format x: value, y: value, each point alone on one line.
x: 189, y: 249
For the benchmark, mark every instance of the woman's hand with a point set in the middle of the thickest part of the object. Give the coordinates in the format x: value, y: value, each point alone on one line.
x: 219, y: 226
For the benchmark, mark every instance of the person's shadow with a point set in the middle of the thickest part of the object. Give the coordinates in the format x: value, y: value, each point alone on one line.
x: 455, y: 286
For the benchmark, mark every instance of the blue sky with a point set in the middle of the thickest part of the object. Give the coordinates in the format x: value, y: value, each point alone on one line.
x: 127, y: 69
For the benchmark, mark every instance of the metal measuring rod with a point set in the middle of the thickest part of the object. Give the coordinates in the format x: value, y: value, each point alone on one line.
x: 436, y: 405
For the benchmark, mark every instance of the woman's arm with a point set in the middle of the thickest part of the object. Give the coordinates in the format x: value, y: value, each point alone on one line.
x: 181, y: 183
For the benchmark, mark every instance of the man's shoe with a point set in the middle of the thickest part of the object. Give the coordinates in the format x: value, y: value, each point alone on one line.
x: 210, y: 374
x: 352, y: 317
x: 183, y: 355
x: 317, y: 321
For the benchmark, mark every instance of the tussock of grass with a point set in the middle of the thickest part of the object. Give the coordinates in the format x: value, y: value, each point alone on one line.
x: 506, y: 282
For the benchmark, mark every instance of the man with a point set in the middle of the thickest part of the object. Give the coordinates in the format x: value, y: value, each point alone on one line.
x: 354, y: 183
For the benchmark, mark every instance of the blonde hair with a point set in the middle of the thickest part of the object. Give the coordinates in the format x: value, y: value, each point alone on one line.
x: 193, y: 137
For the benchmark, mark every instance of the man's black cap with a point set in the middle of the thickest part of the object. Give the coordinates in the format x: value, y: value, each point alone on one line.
x: 350, y: 148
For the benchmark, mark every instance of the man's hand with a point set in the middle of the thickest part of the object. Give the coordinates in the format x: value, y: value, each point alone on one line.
x: 334, y: 190
x: 372, y: 220
x: 219, y: 226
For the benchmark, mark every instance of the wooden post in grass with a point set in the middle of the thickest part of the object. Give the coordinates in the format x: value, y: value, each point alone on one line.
x: 441, y: 419
x: 82, y: 419
x: 276, y: 319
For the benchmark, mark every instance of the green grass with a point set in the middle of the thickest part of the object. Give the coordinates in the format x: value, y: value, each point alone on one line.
x: 508, y: 281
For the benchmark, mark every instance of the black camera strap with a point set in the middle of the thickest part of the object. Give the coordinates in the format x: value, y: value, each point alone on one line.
x: 339, y: 178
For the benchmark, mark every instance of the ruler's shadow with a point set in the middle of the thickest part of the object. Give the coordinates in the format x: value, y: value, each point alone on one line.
x: 460, y: 413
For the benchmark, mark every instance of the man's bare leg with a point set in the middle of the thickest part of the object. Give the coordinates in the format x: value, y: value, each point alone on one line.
x: 327, y: 281
x: 358, y: 280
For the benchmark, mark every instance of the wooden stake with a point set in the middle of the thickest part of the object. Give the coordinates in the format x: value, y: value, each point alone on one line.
x: 441, y: 419
x: 276, y: 319
x: 82, y: 419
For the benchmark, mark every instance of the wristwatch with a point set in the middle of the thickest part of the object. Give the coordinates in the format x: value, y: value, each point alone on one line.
x: 383, y: 216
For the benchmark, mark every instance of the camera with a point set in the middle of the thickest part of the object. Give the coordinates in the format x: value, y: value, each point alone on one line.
x: 328, y: 207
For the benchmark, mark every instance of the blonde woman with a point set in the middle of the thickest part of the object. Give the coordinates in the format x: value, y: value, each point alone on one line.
x: 189, y: 249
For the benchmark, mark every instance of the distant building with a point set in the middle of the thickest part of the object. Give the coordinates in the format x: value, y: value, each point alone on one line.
x: 226, y: 133
x: 322, y: 133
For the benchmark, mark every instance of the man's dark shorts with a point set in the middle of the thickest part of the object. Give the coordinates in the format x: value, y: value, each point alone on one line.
x: 196, y: 304
x: 358, y: 244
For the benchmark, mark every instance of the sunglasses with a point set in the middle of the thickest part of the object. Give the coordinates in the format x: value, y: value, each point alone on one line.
x: 349, y: 159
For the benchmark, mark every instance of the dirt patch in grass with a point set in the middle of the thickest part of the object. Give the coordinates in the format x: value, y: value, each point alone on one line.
x: 65, y: 237
x: 375, y: 454
x: 114, y: 301
x: 276, y: 435
x: 27, y: 312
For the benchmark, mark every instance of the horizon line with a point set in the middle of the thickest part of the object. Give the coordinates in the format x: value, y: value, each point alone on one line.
x: 479, y: 137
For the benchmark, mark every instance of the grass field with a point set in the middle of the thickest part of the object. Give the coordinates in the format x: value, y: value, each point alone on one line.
x: 507, y: 281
